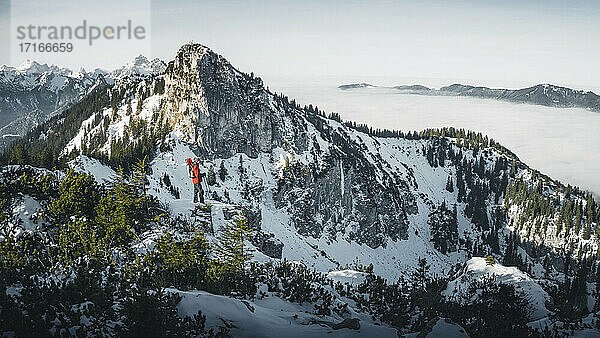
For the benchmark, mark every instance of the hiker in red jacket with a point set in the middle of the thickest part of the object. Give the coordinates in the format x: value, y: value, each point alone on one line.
x: 196, y: 176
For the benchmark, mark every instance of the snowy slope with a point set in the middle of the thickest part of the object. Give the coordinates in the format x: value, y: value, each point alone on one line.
x: 347, y: 276
x: 396, y: 259
x: 269, y: 317
x: 476, y: 268
x: 101, y: 173
x: 441, y: 327
x: 445, y: 328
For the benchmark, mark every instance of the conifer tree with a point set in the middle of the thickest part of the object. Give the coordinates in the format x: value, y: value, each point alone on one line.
x: 597, y: 303
x: 78, y: 194
x: 421, y: 274
x: 513, y: 169
x: 460, y: 184
x: 114, y: 210
x: 140, y: 105
x: 230, y: 249
x: 577, y: 218
x: 181, y: 261
x: 211, y: 178
x: 450, y: 184
x: 126, y: 208
x: 587, y: 231
x: 222, y: 171
x: 241, y: 166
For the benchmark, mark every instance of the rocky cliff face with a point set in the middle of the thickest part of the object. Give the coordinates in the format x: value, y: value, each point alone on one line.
x: 139, y: 68
x: 333, y: 190
x: 345, y: 189
x: 221, y: 109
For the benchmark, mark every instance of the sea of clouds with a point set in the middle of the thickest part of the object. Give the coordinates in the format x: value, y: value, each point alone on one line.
x: 562, y: 143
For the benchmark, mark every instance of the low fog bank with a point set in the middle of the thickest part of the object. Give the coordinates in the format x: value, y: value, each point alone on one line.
x: 562, y: 143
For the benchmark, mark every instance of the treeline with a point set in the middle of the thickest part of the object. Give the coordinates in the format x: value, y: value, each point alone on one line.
x: 140, y: 139
x: 569, y: 210
x: 44, y: 146
x: 413, y: 301
x: 569, y: 292
x: 476, y: 182
x: 466, y: 138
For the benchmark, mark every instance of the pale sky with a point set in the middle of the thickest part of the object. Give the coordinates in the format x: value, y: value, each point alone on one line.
x: 484, y: 41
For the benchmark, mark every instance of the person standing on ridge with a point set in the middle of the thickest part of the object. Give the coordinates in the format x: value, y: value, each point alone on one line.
x: 196, y: 176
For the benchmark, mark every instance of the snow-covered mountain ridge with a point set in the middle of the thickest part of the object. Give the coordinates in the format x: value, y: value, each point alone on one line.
x: 317, y: 190
x: 31, y: 92
x: 342, y: 191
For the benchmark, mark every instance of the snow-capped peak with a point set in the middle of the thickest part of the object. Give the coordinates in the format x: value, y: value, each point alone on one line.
x: 32, y: 67
x: 140, y: 60
x: 27, y: 64
x: 140, y: 66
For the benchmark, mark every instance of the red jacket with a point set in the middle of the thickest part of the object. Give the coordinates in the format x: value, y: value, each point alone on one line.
x: 196, y: 175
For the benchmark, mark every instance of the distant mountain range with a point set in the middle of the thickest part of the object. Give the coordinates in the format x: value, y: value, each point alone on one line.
x: 356, y: 85
x: 541, y: 94
x: 32, y: 92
